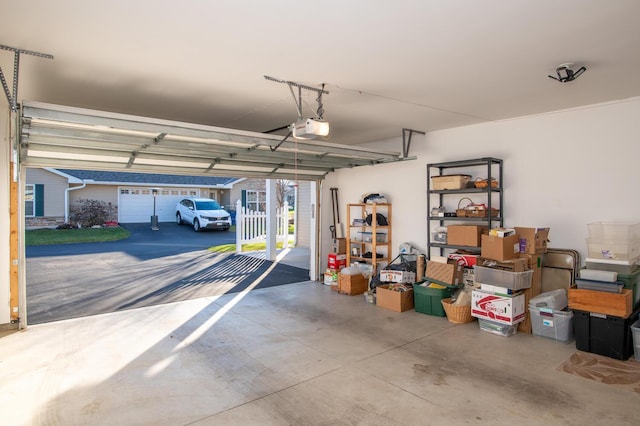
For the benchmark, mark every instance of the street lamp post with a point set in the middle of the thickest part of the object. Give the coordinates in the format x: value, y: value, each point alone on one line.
x: 154, y: 218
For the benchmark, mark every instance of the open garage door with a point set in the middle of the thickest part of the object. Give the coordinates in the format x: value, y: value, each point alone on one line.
x: 59, y: 136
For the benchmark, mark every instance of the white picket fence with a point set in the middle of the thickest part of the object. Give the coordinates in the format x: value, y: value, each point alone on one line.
x: 251, y: 226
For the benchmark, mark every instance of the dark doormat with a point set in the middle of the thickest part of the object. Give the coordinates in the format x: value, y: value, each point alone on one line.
x: 280, y: 275
x: 621, y: 374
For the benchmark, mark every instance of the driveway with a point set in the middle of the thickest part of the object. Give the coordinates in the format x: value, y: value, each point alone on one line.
x: 148, y: 268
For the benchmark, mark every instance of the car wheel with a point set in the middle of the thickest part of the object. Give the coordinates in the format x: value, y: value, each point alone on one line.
x: 179, y: 219
x: 196, y: 225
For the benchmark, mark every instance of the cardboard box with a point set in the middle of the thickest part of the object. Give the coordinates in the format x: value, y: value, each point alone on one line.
x: 394, y: 300
x: 497, y: 248
x: 602, y: 302
x: 466, y: 260
x: 449, y: 273
x: 336, y: 261
x: 502, y: 309
x: 511, y: 265
x: 390, y: 276
x: 352, y: 284
x: 534, y: 262
x: 339, y: 245
x: 465, y: 235
x: 533, y: 240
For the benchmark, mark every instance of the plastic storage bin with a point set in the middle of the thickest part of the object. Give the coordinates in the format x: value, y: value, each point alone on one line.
x: 552, y: 323
x: 613, y: 249
x: 604, y: 335
x: 367, y: 237
x: 632, y: 281
x: 428, y: 300
x: 450, y: 182
x: 439, y: 237
x: 619, y: 266
x: 615, y: 287
x: 616, y: 231
x: 635, y: 331
x: 500, y: 278
x: 554, y: 299
x: 496, y: 328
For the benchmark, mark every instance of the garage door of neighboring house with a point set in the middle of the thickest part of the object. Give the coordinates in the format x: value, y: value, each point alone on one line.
x: 135, y: 205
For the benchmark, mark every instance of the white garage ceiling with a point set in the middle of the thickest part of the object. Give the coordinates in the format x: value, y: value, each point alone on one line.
x: 423, y: 64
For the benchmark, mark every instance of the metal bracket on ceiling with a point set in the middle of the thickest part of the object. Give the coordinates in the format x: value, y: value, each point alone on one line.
x: 273, y: 148
x: 132, y: 158
x: 159, y: 137
x: 298, y: 101
x: 13, y: 97
x: 406, y: 141
x: 278, y: 167
x: 212, y: 164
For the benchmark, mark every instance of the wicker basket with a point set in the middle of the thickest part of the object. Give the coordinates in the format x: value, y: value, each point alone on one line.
x: 457, y: 314
x: 477, y: 213
x: 474, y: 210
x: 484, y: 183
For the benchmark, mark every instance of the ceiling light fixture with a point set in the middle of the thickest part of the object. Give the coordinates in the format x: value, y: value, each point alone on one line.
x: 565, y: 72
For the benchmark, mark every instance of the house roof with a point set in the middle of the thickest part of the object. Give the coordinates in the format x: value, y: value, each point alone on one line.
x: 104, y: 177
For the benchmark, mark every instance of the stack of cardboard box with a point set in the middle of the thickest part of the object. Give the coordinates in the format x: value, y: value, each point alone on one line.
x: 509, y: 274
x: 441, y: 278
x: 336, y: 260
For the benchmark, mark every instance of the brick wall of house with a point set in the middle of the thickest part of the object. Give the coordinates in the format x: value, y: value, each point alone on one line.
x: 43, y: 222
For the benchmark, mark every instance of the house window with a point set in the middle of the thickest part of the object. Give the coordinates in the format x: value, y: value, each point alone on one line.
x: 34, y: 200
x: 29, y: 200
x: 256, y: 200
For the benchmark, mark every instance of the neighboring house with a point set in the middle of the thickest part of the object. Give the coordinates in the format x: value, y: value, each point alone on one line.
x: 51, y: 193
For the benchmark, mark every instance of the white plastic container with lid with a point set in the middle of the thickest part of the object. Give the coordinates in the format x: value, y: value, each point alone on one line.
x: 623, y: 232
x: 554, y: 299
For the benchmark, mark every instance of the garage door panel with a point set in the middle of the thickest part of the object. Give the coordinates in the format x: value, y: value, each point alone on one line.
x: 135, y: 204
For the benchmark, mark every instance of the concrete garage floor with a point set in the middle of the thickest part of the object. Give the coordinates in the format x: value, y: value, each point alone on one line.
x: 297, y: 354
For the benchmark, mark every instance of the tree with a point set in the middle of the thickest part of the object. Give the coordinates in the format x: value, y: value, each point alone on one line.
x: 282, y: 188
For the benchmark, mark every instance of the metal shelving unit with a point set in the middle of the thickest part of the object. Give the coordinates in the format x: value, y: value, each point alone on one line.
x: 488, y: 167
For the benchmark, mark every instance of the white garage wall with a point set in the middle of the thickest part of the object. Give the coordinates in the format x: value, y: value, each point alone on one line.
x: 562, y: 169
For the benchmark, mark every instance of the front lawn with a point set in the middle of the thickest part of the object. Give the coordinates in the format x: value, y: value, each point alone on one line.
x: 226, y: 248
x: 38, y: 237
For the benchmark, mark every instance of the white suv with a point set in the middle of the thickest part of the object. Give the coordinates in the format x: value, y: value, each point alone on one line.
x: 202, y: 213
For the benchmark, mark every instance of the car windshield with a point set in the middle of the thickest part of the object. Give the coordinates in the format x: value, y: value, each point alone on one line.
x: 207, y: 205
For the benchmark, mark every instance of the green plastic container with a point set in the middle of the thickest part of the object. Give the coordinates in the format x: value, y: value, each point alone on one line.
x: 632, y: 281
x: 428, y: 300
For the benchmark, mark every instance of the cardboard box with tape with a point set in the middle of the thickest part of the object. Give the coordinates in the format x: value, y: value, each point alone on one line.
x: 449, y: 273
